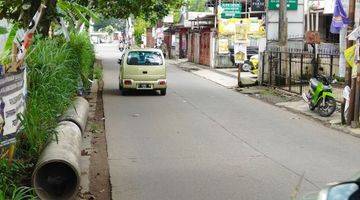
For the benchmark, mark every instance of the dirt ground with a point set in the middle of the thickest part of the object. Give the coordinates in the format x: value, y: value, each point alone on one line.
x: 99, y: 178
x: 269, y: 95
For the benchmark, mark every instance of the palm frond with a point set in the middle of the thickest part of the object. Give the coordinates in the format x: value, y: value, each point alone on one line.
x: 89, y: 12
x: 77, y: 11
x: 3, y: 30
x: 10, y: 39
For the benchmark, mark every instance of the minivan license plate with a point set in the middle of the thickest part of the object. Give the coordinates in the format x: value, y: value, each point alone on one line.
x: 144, y: 86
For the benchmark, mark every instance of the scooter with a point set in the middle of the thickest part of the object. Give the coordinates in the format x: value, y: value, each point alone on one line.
x: 320, y: 96
x: 251, y: 65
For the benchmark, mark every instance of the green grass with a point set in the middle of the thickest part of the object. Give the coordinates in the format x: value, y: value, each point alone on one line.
x: 83, y: 51
x: 52, y: 82
x: 55, y: 70
x: 98, y: 73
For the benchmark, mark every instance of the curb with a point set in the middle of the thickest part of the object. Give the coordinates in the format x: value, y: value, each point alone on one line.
x: 59, y: 163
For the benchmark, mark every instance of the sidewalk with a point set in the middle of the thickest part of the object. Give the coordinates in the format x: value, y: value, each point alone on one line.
x: 292, y: 102
x: 227, y: 77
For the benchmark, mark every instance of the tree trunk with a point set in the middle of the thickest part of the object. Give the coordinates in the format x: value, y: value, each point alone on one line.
x: 48, y: 16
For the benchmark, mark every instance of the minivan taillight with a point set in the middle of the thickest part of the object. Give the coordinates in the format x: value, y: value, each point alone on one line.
x: 127, y: 82
x: 162, y: 82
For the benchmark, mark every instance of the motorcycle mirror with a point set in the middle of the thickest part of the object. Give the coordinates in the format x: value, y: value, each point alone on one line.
x: 341, y: 191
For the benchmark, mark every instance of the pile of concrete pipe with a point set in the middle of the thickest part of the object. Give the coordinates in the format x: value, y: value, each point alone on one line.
x: 57, y: 173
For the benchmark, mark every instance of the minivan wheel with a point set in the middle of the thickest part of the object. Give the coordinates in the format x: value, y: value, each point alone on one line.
x: 163, y: 92
x: 124, y: 92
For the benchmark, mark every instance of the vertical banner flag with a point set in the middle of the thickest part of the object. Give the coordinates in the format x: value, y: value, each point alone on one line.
x: 339, y: 19
x: 13, y: 91
x: 29, y: 35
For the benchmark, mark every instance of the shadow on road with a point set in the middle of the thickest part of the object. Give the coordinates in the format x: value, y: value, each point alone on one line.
x: 116, y: 92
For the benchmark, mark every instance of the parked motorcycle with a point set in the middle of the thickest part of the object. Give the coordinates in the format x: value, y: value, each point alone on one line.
x: 122, y: 46
x: 251, y: 65
x: 320, y: 96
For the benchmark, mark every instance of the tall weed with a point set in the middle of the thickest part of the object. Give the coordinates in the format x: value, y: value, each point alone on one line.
x: 83, y: 50
x: 53, y: 73
x: 52, y: 82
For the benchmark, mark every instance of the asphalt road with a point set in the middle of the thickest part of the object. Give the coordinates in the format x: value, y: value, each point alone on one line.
x: 203, y: 141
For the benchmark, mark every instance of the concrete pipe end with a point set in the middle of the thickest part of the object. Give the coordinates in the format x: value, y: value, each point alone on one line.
x: 56, y: 179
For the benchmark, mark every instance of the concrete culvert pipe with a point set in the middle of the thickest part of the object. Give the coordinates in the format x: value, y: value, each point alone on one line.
x: 57, y: 173
x: 77, y: 113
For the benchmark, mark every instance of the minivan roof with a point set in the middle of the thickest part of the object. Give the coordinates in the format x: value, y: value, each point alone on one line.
x: 144, y: 49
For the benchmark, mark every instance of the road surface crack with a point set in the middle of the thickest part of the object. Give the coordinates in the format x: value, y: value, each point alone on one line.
x: 244, y: 141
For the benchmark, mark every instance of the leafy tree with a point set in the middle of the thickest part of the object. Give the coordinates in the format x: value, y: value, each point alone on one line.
x: 196, y: 5
x: 190, y: 5
x: 118, y: 24
x: 109, y: 29
x: 151, y: 10
x: 23, y: 10
x: 139, y: 28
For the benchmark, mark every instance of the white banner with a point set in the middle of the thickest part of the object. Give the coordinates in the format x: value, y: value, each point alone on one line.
x: 12, y: 103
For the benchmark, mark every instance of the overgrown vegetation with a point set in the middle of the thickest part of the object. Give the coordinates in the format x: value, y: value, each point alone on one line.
x: 55, y: 70
x: 82, y: 51
x: 139, y: 29
x: 11, y: 178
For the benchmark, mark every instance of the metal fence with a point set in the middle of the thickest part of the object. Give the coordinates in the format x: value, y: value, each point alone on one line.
x: 291, y: 71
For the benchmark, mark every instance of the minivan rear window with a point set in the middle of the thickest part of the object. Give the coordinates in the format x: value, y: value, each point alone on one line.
x: 144, y: 58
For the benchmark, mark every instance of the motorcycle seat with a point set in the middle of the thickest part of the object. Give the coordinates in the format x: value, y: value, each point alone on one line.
x: 314, y: 83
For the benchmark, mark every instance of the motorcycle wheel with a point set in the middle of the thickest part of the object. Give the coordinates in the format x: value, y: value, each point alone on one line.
x: 311, y: 107
x: 246, y: 67
x: 329, y: 107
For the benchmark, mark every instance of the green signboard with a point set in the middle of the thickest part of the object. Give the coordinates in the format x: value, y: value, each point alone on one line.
x: 291, y: 4
x: 230, y: 10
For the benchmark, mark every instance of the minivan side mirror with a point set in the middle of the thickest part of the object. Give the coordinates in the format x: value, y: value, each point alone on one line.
x: 345, y: 190
x: 119, y: 61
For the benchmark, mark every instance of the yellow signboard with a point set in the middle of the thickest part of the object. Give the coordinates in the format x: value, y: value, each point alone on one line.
x: 350, y: 56
x: 241, y: 27
x: 223, y: 46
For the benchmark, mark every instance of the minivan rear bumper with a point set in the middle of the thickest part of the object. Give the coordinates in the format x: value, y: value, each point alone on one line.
x: 155, y: 85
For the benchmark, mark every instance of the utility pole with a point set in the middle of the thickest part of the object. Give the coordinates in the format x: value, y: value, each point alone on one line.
x: 350, y: 80
x: 283, y: 24
x: 283, y: 38
x: 355, y: 80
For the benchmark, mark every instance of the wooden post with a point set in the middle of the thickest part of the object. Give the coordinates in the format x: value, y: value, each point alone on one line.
x: 355, y: 123
x: 353, y: 114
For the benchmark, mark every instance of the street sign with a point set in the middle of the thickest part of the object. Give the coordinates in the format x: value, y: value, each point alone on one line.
x: 258, y: 5
x: 291, y: 4
x: 230, y: 10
